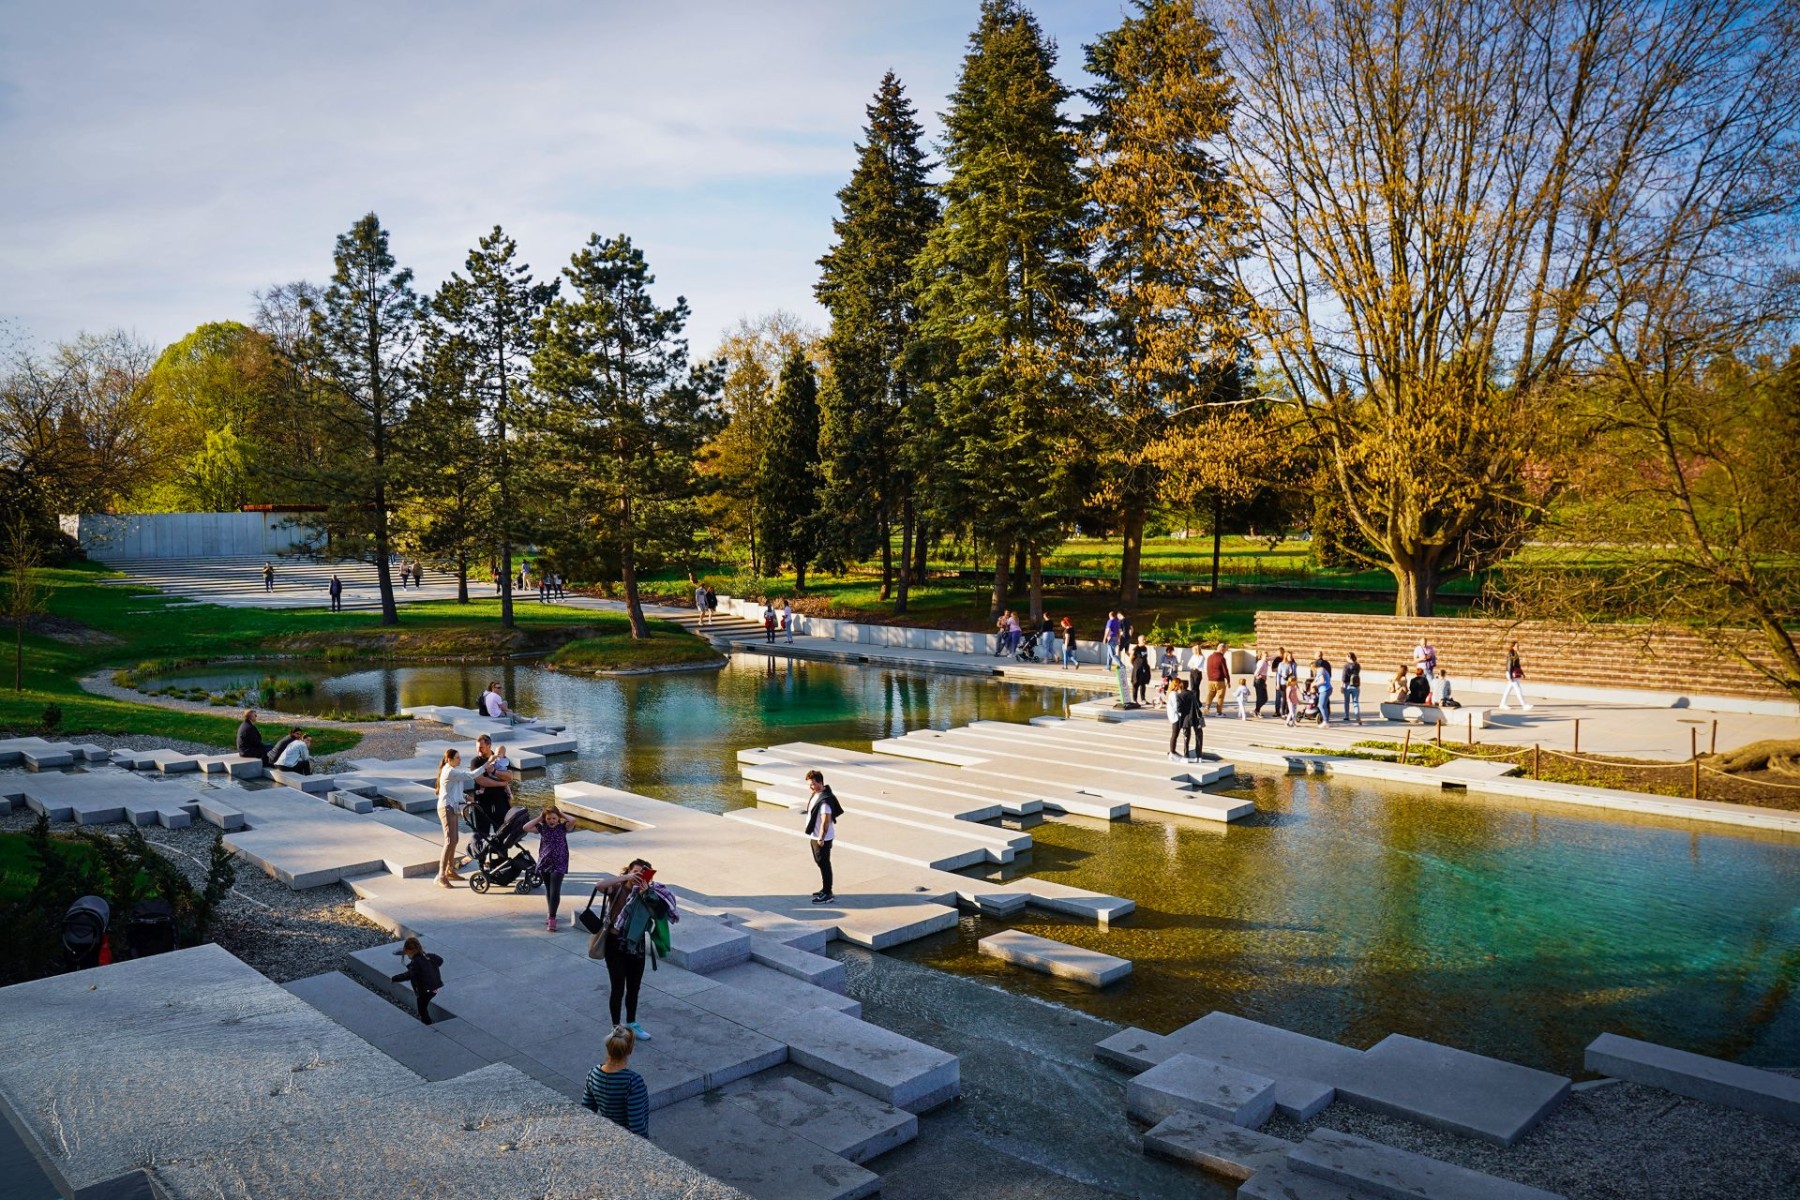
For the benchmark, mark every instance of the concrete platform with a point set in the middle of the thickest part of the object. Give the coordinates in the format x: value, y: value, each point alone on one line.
x: 1284, y: 1181
x: 833, y: 1116
x: 703, y: 945
x: 1203, y: 1086
x: 305, y: 842
x: 764, y: 1160
x: 1134, y: 1049
x: 1219, y: 1146
x: 938, y: 850
x: 1064, y: 961
x: 816, y: 969
x: 103, y: 795
x: 1306, y: 1069
x: 1451, y: 1089
x: 1697, y: 1076
x: 883, y: 1064
x: 1356, y: 1162
x: 793, y: 994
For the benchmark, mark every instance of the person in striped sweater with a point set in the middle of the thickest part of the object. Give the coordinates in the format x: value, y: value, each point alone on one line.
x: 614, y: 1090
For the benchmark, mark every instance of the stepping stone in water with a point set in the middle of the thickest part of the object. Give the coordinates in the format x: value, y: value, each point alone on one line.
x: 873, y: 1060
x: 1695, y: 1075
x: 1036, y: 953
x: 1452, y: 1090
x: 1304, y: 1068
x: 1217, y: 1145
x: 1355, y: 1162
x: 762, y: 1159
x: 833, y: 1116
x: 1200, y: 1085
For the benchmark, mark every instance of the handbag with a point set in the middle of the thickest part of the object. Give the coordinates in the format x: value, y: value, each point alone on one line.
x: 591, y: 920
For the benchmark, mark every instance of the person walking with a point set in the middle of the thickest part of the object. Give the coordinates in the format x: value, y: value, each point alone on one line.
x: 614, y: 1090
x: 494, y: 575
x: 268, y: 576
x: 1114, y: 623
x: 422, y: 972
x: 1322, y: 683
x: 1179, y: 702
x: 623, y: 930
x: 1425, y: 657
x: 1218, y: 678
x: 769, y: 621
x: 1140, y: 671
x: 491, y: 799
x: 700, y: 606
x: 1515, y: 679
x: 712, y: 604
x: 787, y: 620
x: 1259, y: 681
x: 1068, y: 644
x: 1352, y: 679
x: 822, y: 813
x: 1277, y: 691
x: 453, y: 783
x: 552, y: 828
x: 335, y: 589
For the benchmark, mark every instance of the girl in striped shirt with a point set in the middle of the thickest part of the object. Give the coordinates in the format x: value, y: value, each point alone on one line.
x: 614, y: 1090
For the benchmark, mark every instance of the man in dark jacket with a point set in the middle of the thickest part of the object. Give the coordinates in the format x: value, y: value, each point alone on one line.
x: 249, y: 739
x: 822, y: 812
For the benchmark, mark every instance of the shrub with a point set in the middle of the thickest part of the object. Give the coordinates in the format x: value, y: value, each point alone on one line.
x: 53, y: 715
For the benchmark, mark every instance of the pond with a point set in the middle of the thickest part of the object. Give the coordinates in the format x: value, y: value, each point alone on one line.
x: 1342, y: 910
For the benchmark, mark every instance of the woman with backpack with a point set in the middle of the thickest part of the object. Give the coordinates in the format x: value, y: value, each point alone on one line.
x: 624, y: 928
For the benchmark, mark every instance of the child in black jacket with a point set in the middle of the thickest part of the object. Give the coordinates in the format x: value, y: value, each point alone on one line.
x: 422, y: 972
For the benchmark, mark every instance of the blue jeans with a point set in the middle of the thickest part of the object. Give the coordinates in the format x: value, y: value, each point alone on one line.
x: 1068, y: 653
x: 1352, y: 702
x: 1324, y: 705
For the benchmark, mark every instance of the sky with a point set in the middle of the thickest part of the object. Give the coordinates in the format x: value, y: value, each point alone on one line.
x: 159, y: 163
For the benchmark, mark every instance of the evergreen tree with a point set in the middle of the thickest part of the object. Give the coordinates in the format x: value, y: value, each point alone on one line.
x: 1165, y: 224
x: 623, y: 410
x: 867, y: 283
x: 448, y: 505
x: 788, y: 479
x: 362, y: 335
x: 493, y: 312
x: 1003, y: 280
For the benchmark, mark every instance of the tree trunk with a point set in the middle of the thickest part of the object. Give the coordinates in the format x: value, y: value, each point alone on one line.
x: 906, y: 553
x: 18, y: 652
x: 1417, y: 582
x: 1020, y: 568
x: 504, y: 479
x: 1037, y: 586
x: 1218, y: 524
x: 1002, y: 560
x: 506, y: 576
x: 1132, y: 557
x: 887, y: 558
x: 384, y: 576
x: 920, y: 542
x: 755, y: 561
x: 799, y: 577
x: 462, y: 577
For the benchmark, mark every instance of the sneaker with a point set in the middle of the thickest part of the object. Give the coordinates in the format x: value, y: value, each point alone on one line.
x: 1527, y: 708
x: 638, y: 1031
x: 550, y: 924
x: 1173, y: 757
x: 824, y: 898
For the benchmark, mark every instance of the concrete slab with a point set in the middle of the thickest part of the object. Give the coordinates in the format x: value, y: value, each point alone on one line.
x: 939, y: 851
x: 217, y: 812
x: 429, y: 1054
x: 1284, y: 1181
x: 733, y: 1144
x: 832, y: 1116
x: 1356, y: 1162
x: 1305, y: 1069
x: 1451, y: 1089
x: 875, y: 1061
x: 794, y: 994
x: 1060, y: 959
x: 816, y: 969
x: 352, y: 1005
x: 1695, y: 1075
x: 703, y: 945
x: 1134, y: 1049
x: 1219, y: 1146
x: 351, y: 802
x: 1200, y: 1085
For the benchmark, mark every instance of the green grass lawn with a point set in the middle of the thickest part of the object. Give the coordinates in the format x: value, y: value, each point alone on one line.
x: 92, y: 624
x: 668, y: 645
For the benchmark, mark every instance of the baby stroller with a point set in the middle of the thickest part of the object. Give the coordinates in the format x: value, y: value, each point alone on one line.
x: 502, y: 859
x: 1309, y: 707
x: 84, y: 933
x: 1027, y: 651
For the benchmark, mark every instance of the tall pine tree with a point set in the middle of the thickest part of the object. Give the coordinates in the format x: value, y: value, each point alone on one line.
x: 871, y: 462
x: 788, y: 479
x: 492, y: 313
x: 624, y: 412
x: 1003, y: 281
x: 362, y: 335
x: 1165, y: 224
x: 447, y: 505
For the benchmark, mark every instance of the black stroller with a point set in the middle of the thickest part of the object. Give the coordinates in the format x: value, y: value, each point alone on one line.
x: 84, y: 933
x: 1028, y: 644
x: 501, y: 859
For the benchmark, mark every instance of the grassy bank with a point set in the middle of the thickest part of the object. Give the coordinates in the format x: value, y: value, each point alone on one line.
x: 91, y: 625
x: 668, y: 645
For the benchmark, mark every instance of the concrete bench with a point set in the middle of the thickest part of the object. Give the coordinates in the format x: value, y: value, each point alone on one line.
x: 1431, y: 714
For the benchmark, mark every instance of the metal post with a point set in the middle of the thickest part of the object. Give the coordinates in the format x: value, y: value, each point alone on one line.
x: 1694, y: 753
x: 1470, y: 737
x: 1578, y: 735
x: 1712, y: 747
x: 1537, y: 760
x: 1406, y: 747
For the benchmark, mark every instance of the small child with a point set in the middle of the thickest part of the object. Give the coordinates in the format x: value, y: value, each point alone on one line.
x: 1242, y: 696
x: 614, y: 1090
x: 1293, y: 700
x: 553, y: 855
x: 1170, y: 666
x: 422, y: 972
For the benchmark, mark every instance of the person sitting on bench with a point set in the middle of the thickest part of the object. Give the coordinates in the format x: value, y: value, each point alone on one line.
x: 1418, y: 688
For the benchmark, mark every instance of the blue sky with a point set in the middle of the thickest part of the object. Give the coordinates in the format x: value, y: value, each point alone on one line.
x: 158, y: 163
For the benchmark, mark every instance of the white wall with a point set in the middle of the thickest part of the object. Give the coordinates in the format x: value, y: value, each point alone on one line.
x: 184, y: 535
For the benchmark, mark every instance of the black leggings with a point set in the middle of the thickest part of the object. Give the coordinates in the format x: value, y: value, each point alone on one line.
x: 1183, y: 732
x: 423, y: 1000
x: 625, y: 974
x: 553, y: 891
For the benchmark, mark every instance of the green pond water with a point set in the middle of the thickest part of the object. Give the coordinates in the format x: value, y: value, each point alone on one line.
x: 1341, y: 910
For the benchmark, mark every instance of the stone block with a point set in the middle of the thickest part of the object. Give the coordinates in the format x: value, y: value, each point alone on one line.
x: 1134, y: 1049
x: 1200, y: 1085
x: 1304, y: 1068
x: 718, y: 1048
x: 1358, y: 1163
x: 1064, y: 961
x: 1284, y: 1181
x: 219, y: 813
x: 351, y: 802
x: 1217, y: 1145
x: 428, y: 1054
x: 815, y: 969
x: 873, y: 1060
x: 832, y: 1116
x: 703, y: 945
x: 1697, y: 1076
x: 352, y: 1005
x: 735, y: 1146
x: 793, y: 993
x: 1451, y: 1089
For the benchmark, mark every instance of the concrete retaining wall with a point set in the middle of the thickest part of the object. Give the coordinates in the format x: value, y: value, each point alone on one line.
x: 184, y: 535
x: 1591, y: 661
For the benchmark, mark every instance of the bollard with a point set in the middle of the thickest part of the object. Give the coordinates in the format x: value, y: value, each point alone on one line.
x: 1406, y: 747
x: 1470, y: 737
x: 1537, y: 760
x: 1712, y: 747
x: 1578, y: 735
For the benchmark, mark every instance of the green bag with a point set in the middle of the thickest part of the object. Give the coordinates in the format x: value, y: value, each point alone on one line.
x: 659, y: 936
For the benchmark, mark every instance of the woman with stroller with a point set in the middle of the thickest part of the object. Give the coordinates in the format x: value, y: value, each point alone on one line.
x: 614, y: 1090
x: 552, y: 828
x: 624, y: 962
x: 452, y: 784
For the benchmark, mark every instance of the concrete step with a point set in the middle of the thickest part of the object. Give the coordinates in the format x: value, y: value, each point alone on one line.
x: 1064, y: 961
x: 794, y: 994
x: 1451, y: 1089
x: 1695, y: 1075
x: 873, y: 1060
x: 1306, y: 1069
x: 833, y: 1116
x: 941, y: 851
x: 903, y: 782
x: 1002, y: 844
x: 735, y: 1145
x: 1355, y: 1162
x: 426, y: 1050
x: 789, y: 959
x: 1200, y: 1085
x: 1216, y: 1145
x: 1284, y: 1181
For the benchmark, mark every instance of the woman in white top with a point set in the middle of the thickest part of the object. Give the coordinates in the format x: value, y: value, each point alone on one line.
x: 453, y: 783
x: 297, y: 756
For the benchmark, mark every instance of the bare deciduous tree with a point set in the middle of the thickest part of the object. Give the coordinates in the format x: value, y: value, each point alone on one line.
x: 75, y: 422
